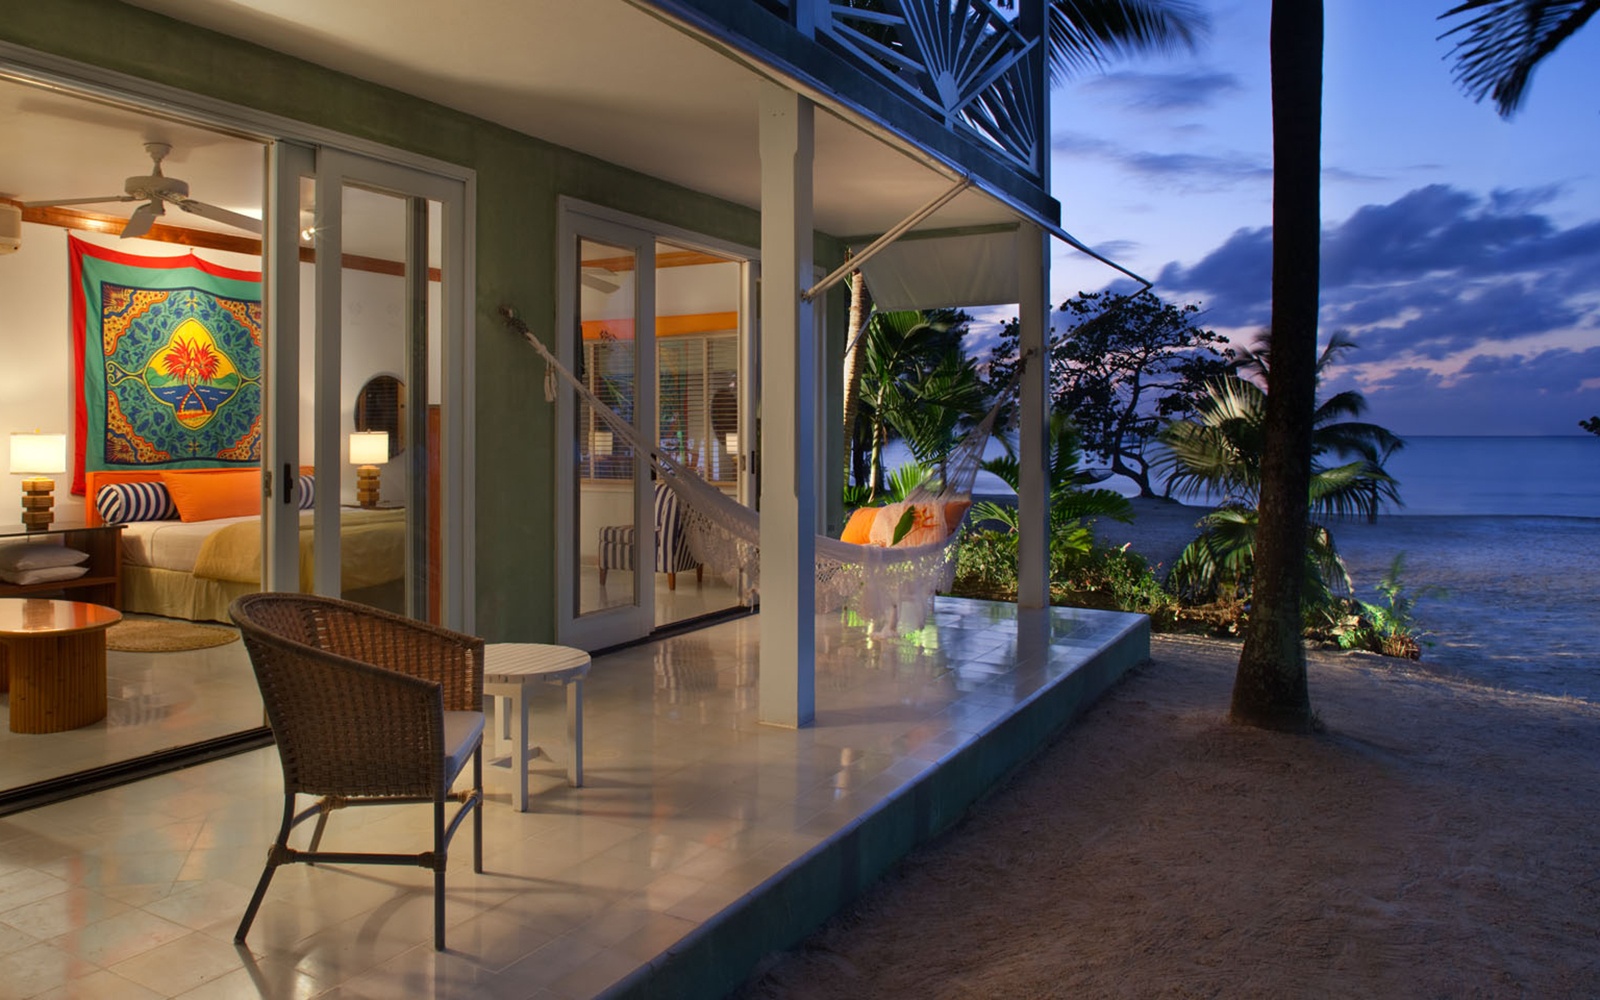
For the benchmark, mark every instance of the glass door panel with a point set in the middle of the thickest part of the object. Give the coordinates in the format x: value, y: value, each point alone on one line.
x: 373, y: 420
x: 612, y: 550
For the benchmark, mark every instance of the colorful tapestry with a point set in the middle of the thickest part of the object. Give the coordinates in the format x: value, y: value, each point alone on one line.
x: 167, y: 361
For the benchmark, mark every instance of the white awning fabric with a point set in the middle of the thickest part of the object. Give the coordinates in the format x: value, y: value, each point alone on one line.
x: 976, y: 269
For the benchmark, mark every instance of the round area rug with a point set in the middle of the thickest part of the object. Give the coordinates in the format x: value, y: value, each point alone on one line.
x: 155, y: 635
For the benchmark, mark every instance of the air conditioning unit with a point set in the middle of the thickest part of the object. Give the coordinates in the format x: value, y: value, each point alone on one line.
x: 10, y: 227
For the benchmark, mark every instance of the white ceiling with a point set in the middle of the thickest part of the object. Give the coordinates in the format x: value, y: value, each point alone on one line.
x: 600, y: 77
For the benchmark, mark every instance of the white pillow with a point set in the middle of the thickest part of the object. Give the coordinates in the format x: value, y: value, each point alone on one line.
x: 44, y: 574
x: 38, y: 556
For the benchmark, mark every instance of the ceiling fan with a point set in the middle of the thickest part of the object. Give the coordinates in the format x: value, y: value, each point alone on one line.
x: 156, y: 191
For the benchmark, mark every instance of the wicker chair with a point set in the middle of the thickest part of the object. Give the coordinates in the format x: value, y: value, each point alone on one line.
x: 368, y: 708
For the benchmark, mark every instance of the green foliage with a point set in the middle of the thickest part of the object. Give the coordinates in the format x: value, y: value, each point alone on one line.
x: 915, y: 384
x: 1219, y: 452
x: 1390, y: 627
x: 1070, y: 499
x: 908, y: 517
x: 1081, y: 574
x: 1125, y: 366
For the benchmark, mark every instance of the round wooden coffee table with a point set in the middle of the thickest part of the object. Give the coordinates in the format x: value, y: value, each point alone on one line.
x: 57, y: 662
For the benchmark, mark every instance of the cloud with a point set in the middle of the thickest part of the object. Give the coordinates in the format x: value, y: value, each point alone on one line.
x: 1535, y: 394
x: 1434, y: 271
x: 1160, y: 92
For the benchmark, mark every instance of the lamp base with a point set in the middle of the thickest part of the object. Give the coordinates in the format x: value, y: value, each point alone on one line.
x: 367, y: 485
x: 38, y: 503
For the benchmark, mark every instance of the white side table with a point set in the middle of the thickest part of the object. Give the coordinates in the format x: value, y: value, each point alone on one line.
x: 509, y: 669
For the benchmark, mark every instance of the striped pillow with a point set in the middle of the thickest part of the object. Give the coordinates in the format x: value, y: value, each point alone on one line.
x: 308, y: 492
x: 119, y: 503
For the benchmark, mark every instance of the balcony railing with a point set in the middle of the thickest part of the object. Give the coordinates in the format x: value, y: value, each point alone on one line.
x: 975, y: 65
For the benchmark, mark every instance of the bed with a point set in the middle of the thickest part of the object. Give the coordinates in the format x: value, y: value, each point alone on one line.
x: 195, y: 568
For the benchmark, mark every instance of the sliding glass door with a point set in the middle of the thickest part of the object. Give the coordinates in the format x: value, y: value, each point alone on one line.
x: 657, y: 334
x: 364, y: 424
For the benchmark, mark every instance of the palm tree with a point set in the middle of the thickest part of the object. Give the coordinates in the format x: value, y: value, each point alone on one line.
x: 1499, y: 43
x: 1220, y: 452
x: 1269, y: 689
x: 898, y: 347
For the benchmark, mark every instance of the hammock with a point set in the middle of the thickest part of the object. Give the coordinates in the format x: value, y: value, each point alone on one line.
x: 890, y: 586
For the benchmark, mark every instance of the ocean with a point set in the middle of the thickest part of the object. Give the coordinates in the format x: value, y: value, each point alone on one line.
x: 1501, y: 541
x: 1518, y: 476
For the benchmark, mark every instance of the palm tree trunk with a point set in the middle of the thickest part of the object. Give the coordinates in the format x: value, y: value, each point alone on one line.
x: 852, y: 371
x: 1269, y: 689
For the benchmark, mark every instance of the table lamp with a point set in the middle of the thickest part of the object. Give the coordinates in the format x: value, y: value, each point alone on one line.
x: 368, y: 450
x: 38, y: 456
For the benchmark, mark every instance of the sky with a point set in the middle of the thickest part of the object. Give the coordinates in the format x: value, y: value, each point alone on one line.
x: 1461, y: 251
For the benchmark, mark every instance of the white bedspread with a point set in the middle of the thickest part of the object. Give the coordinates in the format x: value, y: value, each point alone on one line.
x: 169, y: 544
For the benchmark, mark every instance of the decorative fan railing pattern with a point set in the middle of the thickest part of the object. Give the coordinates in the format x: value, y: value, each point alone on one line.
x: 968, y: 62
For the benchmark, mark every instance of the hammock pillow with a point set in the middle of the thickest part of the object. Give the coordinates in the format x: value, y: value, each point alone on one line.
x: 954, y: 511
x: 927, y: 524
x: 858, y: 531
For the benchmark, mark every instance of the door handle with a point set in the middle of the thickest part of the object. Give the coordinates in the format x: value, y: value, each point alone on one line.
x: 288, y: 491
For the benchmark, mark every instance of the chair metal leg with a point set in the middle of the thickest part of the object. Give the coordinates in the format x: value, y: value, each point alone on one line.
x: 477, y: 810
x: 274, y: 859
x: 438, y: 874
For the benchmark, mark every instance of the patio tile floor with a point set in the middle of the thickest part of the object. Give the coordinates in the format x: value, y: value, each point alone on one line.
x: 701, y: 839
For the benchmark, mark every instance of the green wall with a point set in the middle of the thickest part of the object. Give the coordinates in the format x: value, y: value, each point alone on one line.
x: 519, y: 180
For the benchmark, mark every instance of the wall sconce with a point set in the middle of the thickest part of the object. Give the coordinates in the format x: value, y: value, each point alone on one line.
x: 603, y: 441
x: 38, y: 456
x: 368, y: 450
x: 732, y: 441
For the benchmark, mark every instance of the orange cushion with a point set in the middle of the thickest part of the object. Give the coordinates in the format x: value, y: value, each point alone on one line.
x: 207, y: 494
x: 859, y: 529
x: 927, y: 526
x: 954, y: 511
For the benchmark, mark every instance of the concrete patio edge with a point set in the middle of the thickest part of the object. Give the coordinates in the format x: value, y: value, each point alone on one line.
x: 722, y: 952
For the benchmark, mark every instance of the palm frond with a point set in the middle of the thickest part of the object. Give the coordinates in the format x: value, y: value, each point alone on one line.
x: 1499, y: 43
x: 1086, y: 34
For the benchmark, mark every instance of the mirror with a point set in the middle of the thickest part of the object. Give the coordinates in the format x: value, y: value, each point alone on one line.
x: 380, y: 406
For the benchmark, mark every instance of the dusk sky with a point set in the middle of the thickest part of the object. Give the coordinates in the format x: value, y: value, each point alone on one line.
x: 1461, y: 250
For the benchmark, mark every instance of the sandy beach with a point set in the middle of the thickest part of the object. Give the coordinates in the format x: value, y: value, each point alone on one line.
x: 1436, y: 839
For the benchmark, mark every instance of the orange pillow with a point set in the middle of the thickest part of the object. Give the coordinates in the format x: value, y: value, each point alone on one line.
x: 859, y: 529
x: 927, y: 524
x: 207, y: 494
x: 954, y: 511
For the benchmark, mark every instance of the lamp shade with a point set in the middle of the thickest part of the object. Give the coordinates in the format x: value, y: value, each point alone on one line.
x: 369, y: 447
x: 39, y: 454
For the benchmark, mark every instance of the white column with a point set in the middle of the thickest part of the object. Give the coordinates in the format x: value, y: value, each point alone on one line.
x: 788, y: 409
x: 1033, y: 497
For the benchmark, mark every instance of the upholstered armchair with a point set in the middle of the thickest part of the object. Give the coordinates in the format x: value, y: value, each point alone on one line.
x: 672, y: 542
x: 368, y: 708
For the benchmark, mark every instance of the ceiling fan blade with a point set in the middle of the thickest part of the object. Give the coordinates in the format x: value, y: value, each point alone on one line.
x: 63, y: 202
x: 216, y: 214
x: 143, y: 218
x: 596, y: 282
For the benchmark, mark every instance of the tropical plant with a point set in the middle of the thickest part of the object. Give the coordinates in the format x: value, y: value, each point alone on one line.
x: 1220, y: 453
x: 1391, y: 627
x: 1071, y: 498
x: 915, y: 384
x: 1592, y: 425
x: 1499, y: 43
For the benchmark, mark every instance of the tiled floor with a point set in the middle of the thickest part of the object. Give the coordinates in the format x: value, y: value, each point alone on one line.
x: 690, y: 804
